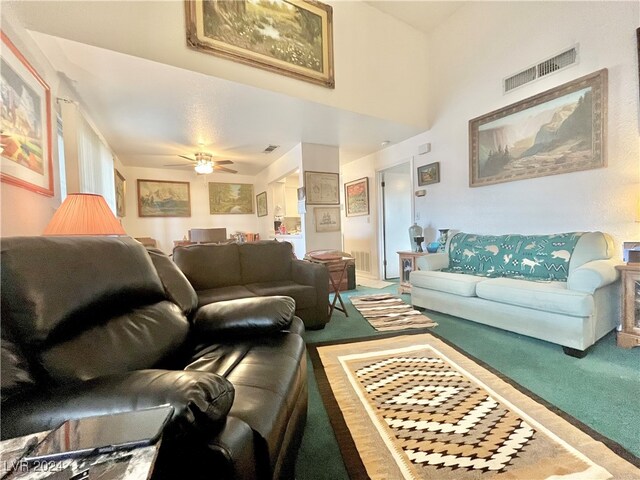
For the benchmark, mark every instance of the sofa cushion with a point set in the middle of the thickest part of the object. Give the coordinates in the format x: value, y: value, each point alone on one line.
x: 132, y: 341
x: 265, y: 261
x: 546, y: 296
x: 304, y: 295
x: 221, y: 294
x: 591, y: 246
x: 55, y: 284
x: 463, y: 285
x: 538, y: 257
x: 209, y: 266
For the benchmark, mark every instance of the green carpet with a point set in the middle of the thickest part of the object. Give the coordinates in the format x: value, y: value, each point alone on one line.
x: 601, y: 390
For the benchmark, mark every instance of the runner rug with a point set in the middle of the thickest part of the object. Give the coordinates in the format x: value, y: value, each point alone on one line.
x: 413, y: 407
x: 386, y: 311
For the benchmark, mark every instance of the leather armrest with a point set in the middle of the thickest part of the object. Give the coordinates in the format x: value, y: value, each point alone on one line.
x: 200, y: 400
x: 245, y: 316
x: 297, y: 326
x: 593, y: 275
x: 309, y: 273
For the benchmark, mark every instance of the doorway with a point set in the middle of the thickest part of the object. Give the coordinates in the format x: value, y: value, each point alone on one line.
x: 396, y: 195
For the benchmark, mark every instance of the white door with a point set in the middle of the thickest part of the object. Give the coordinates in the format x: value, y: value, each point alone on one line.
x: 396, y: 197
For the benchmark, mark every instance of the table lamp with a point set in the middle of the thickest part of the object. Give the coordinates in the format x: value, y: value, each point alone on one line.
x: 84, y: 214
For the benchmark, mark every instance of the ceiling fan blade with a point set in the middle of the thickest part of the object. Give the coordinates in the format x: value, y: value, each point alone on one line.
x: 179, y: 165
x: 190, y: 159
x: 222, y: 162
x: 224, y: 169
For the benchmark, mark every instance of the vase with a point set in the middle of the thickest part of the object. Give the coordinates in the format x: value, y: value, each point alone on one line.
x: 442, y: 239
x: 418, y: 241
x: 415, y: 231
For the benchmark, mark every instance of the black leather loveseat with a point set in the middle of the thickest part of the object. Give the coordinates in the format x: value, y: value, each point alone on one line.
x: 99, y: 325
x: 226, y: 272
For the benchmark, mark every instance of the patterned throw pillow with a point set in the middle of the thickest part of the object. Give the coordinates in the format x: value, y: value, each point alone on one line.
x: 532, y: 257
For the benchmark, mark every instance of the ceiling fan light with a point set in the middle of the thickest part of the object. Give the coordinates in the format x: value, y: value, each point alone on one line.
x: 204, y: 168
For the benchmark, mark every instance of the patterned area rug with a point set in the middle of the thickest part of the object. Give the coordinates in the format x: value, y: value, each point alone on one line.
x: 386, y: 311
x: 413, y: 407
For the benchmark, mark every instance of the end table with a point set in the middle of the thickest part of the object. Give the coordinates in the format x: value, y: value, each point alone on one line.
x: 629, y: 333
x: 408, y: 265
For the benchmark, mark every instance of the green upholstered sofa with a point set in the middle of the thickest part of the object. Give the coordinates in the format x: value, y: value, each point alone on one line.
x: 560, y: 288
x: 266, y: 268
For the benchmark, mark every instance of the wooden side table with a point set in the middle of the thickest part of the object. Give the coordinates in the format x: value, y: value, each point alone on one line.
x: 337, y: 267
x: 408, y: 265
x: 629, y: 334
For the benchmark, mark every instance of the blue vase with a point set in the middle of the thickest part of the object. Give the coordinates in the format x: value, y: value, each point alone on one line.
x: 433, y: 247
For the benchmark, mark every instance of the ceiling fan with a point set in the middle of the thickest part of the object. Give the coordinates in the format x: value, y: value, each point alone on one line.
x: 204, y: 163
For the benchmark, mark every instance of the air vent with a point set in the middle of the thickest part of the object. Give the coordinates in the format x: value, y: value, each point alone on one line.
x: 270, y: 148
x: 553, y: 64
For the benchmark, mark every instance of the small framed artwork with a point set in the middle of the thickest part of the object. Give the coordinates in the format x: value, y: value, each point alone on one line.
x: 161, y: 198
x: 558, y: 131
x: 322, y: 188
x: 25, y: 123
x: 261, y: 204
x: 428, y: 174
x: 120, y: 194
x: 327, y: 219
x: 293, y: 38
x: 356, y: 194
x: 231, y: 198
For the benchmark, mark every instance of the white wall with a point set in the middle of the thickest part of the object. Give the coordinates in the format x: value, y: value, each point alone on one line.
x: 165, y: 230
x: 376, y: 56
x: 23, y: 211
x: 362, y: 233
x: 466, y: 82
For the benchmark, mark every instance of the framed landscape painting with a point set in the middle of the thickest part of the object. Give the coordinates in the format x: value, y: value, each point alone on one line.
x: 289, y: 37
x: 160, y: 198
x: 261, y: 204
x: 25, y: 123
x: 322, y: 188
x: 120, y: 194
x: 327, y: 219
x: 356, y: 194
x: 558, y: 131
x: 428, y: 174
x: 230, y: 198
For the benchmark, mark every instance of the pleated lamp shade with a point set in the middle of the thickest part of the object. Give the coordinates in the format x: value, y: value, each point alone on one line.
x: 84, y: 214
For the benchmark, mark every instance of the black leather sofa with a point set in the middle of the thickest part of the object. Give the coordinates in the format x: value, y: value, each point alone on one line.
x: 226, y: 272
x: 95, y: 325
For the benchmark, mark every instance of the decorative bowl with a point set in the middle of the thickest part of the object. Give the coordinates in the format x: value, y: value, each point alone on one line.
x: 433, y: 247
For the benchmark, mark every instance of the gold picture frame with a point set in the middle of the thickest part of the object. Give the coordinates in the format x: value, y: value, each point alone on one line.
x: 297, y: 40
x: 230, y: 198
x: 558, y: 131
x: 25, y: 122
x: 121, y: 191
x: 327, y: 219
x: 162, y: 198
x: 322, y: 188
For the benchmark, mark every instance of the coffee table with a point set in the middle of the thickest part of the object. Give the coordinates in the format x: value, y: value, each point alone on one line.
x: 135, y: 464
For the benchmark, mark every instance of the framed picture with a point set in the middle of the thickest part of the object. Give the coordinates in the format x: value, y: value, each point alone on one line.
x: 322, y: 188
x: 356, y: 194
x: 301, y: 194
x: 261, y: 204
x: 428, y: 174
x: 25, y: 123
x: 120, y: 194
x: 231, y: 198
x: 161, y: 198
x: 558, y: 131
x: 327, y: 219
x: 293, y: 37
